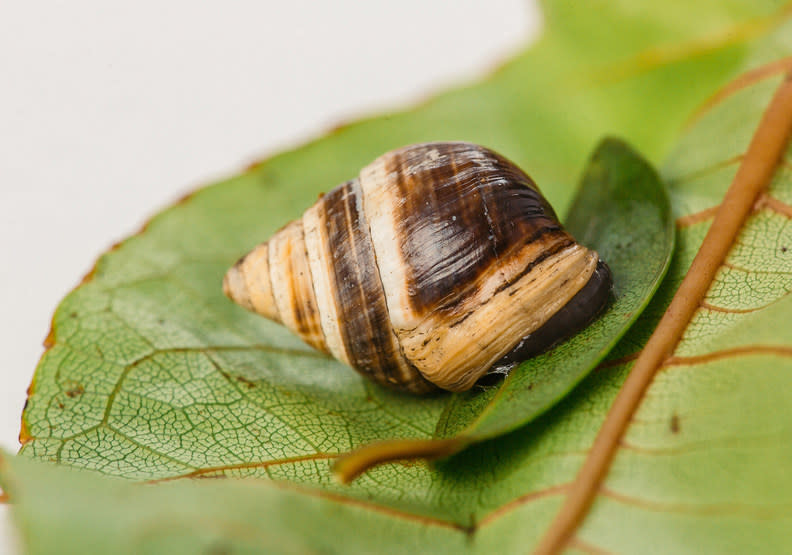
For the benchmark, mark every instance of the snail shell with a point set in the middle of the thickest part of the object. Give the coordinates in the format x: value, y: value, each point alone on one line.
x: 438, y: 263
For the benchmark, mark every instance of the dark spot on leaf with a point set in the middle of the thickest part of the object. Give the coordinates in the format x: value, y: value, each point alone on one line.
x: 73, y: 315
x: 161, y: 322
x: 266, y: 177
x: 219, y: 548
x: 674, y: 424
x: 247, y: 382
x: 75, y: 391
x: 61, y: 405
x: 784, y: 249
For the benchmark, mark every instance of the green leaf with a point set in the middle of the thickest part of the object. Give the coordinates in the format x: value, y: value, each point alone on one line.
x: 152, y: 374
x: 204, y: 517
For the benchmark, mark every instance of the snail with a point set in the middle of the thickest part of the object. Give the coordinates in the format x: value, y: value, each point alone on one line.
x: 440, y: 263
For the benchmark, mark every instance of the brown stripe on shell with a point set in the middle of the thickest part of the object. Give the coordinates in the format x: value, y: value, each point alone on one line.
x: 292, y: 285
x: 464, y: 209
x: 366, y: 330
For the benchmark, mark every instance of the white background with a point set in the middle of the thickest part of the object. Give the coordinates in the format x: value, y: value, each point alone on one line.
x: 111, y: 110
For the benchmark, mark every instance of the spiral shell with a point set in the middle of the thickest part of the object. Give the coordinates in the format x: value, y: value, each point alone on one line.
x: 440, y: 261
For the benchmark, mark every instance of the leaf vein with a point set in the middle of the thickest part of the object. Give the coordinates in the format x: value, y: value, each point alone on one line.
x: 768, y: 512
x: 746, y: 350
x: 199, y: 472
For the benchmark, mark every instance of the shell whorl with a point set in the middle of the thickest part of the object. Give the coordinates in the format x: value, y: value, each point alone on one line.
x: 438, y: 261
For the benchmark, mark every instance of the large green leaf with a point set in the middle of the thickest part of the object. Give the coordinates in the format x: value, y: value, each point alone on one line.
x: 137, y: 383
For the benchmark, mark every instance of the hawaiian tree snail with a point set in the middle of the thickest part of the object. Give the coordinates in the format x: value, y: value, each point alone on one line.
x: 438, y: 263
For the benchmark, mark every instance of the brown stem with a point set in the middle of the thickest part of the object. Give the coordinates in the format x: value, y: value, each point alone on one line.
x: 351, y: 465
x: 753, y: 175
